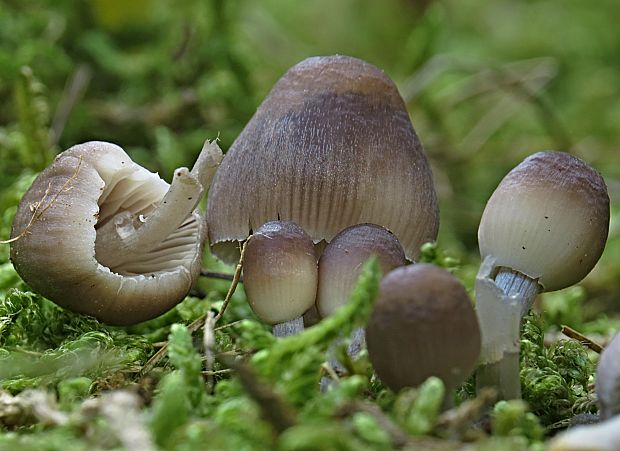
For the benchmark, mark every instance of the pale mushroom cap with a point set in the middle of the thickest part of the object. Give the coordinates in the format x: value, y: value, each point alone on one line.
x: 280, y: 272
x: 342, y: 260
x: 331, y: 146
x: 547, y: 219
x: 608, y: 379
x: 423, y: 325
x: 88, y: 187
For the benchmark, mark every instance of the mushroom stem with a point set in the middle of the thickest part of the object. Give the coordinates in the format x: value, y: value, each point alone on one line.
x: 513, y: 282
x: 207, y: 163
x: 292, y: 327
x: 357, y: 341
x: 126, y: 234
x: 502, y: 299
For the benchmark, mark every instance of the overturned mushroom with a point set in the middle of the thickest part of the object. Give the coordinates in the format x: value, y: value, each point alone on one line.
x: 423, y: 325
x: 543, y: 229
x: 280, y: 275
x: 98, y: 234
x: 331, y: 146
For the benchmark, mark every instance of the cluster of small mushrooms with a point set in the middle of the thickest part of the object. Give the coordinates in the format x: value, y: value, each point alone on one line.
x: 327, y: 173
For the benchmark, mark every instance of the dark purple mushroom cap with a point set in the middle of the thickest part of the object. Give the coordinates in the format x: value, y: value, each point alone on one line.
x: 548, y: 219
x: 331, y: 146
x: 423, y: 325
x: 280, y: 272
x: 608, y: 379
x: 342, y: 260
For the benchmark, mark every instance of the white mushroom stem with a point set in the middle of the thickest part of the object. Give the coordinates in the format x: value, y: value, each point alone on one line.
x: 207, y: 163
x: 126, y: 234
x: 292, y: 327
x: 502, y: 299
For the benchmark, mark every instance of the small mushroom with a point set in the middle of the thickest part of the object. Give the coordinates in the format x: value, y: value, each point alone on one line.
x: 98, y: 234
x: 280, y: 275
x: 543, y: 229
x: 341, y: 262
x: 423, y: 325
x: 608, y: 380
x: 342, y: 259
x: 331, y: 146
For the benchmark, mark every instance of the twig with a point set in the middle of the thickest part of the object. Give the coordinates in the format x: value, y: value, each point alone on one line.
x: 216, y: 372
x: 218, y: 275
x: 36, y: 214
x: 397, y: 436
x: 274, y: 409
x: 225, y: 326
x: 572, y: 333
x: 74, y: 89
x: 330, y: 371
x: 197, y: 324
x: 455, y: 421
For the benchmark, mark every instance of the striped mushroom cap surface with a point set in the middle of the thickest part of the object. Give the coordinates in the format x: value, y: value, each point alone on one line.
x: 331, y: 146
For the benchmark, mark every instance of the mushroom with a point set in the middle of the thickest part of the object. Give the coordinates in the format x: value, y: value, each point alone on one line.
x: 608, y: 380
x: 423, y: 324
x: 341, y: 262
x: 543, y: 229
x: 331, y: 146
x: 280, y: 275
x: 98, y: 234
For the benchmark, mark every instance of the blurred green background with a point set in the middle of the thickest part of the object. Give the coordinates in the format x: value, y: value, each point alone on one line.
x: 487, y: 83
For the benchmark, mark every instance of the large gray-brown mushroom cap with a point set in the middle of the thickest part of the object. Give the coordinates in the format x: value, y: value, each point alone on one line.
x: 423, y: 325
x: 331, y: 146
x: 91, y: 236
x: 547, y: 219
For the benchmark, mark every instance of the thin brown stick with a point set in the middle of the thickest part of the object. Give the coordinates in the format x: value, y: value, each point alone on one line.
x: 398, y: 437
x: 216, y: 372
x: 572, y: 333
x: 233, y: 285
x: 198, y: 323
x: 275, y: 410
x: 218, y: 275
x: 226, y: 326
x: 36, y: 214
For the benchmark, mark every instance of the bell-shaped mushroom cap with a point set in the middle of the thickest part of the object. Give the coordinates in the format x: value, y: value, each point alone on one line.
x: 547, y: 219
x: 423, y: 325
x: 280, y: 272
x: 608, y: 379
x: 341, y: 262
x: 75, y: 233
x: 331, y: 146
